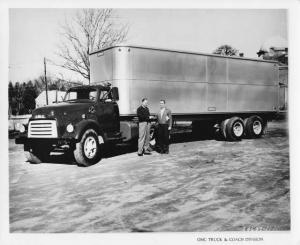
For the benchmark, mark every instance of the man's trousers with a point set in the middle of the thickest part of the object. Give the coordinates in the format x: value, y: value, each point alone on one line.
x: 163, y: 137
x: 144, y: 137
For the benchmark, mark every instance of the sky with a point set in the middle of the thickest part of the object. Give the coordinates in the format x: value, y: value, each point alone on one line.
x: 35, y: 33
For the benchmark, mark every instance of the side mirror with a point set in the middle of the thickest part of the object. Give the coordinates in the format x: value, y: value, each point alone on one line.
x: 115, y: 93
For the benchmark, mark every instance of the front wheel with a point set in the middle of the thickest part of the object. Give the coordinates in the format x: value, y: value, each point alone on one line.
x: 87, y: 151
x: 33, y: 158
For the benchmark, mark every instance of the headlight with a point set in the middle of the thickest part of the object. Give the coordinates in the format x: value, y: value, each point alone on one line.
x: 70, y: 128
x: 20, y: 127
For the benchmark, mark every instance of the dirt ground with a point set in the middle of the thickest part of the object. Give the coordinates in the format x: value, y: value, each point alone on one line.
x: 202, y: 185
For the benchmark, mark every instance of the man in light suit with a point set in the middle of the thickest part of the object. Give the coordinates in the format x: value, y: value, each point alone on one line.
x: 164, y: 118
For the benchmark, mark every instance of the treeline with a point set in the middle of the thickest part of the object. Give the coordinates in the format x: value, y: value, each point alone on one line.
x: 22, y: 96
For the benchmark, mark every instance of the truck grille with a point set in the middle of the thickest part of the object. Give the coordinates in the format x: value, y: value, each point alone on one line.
x: 42, y: 129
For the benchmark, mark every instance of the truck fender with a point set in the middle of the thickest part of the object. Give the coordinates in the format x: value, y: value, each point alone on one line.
x: 82, y: 126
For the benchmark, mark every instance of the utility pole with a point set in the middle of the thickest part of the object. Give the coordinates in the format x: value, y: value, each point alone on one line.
x: 45, y: 76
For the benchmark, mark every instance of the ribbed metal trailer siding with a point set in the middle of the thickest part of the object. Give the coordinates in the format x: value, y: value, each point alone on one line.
x: 191, y: 83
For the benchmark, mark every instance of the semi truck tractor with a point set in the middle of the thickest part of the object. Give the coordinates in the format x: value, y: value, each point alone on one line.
x: 234, y: 96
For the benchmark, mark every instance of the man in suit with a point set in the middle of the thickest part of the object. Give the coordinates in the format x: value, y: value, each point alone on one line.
x: 164, y: 118
x: 144, y: 128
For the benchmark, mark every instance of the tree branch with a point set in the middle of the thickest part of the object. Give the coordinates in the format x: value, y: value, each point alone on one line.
x: 89, y: 30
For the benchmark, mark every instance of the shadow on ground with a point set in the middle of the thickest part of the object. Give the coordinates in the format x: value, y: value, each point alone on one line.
x: 113, y: 150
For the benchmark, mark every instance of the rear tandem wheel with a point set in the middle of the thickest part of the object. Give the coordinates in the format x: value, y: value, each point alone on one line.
x: 232, y: 129
x: 254, y: 127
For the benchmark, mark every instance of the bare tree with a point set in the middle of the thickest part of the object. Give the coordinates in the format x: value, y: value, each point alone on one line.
x: 89, y: 30
x: 226, y: 50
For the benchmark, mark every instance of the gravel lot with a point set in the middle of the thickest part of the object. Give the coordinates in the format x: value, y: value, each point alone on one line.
x: 202, y: 185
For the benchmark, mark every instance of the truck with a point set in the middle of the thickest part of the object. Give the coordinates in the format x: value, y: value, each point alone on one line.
x: 234, y: 97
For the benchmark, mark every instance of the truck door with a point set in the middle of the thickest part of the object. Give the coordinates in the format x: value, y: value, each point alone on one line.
x: 107, y: 113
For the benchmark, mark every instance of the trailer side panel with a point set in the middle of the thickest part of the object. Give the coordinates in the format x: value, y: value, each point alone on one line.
x: 193, y: 83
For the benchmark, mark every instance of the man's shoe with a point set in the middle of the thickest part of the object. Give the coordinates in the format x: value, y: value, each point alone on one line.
x: 147, y: 153
x: 140, y: 154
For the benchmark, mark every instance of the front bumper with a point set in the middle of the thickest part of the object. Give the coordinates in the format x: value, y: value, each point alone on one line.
x: 24, y: 140
x: 20, y: 140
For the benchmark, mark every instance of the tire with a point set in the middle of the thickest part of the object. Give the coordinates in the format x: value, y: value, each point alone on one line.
x: 254, y: 127
x: 32, y: 158
x: 153, y: 136
x: 233, y: 129
x: 223, y: 129
x: 38, y: 156
x: 87, y: 151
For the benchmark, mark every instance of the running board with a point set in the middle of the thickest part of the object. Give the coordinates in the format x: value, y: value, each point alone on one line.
x: 114, y: 137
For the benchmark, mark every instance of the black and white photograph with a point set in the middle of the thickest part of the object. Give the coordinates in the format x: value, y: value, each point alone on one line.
x: 149, y: 120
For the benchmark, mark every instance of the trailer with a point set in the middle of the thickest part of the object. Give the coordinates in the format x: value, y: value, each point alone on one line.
x: 232, y: 97
x: 203, y: 88
x: 193, y: 84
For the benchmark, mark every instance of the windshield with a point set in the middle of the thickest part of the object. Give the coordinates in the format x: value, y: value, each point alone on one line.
x: 81, y: 94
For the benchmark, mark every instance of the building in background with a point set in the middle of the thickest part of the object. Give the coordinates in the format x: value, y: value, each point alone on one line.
x: 276, y: 48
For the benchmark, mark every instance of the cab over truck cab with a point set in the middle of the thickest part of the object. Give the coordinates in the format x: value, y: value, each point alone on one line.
x: 88, y: 117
